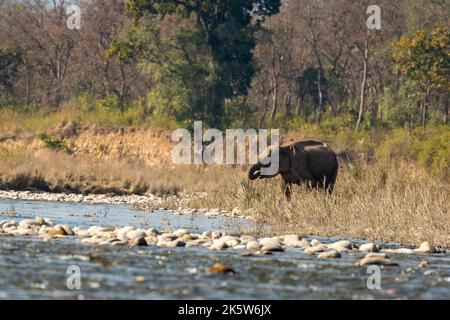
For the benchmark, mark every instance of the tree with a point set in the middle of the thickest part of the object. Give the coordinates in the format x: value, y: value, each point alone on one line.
x: 228, y: 30
x: 424, y: 58
x: 10, y: 59
x: 39, y: 29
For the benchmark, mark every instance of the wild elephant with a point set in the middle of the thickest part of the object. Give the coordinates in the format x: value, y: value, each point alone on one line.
x: 303, y: 162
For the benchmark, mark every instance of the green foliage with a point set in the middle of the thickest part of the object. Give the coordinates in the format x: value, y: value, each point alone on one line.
x: 216, y: 49
x: 52, y: 143
x: 425, y: 58
x: 398, y: 107
x: 430, y: 148
x: 10, y: 59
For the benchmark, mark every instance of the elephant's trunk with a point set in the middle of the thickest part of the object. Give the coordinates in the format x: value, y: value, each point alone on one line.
x: 255, y: 171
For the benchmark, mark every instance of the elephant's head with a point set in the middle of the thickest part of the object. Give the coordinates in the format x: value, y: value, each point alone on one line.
x: 255, y: 171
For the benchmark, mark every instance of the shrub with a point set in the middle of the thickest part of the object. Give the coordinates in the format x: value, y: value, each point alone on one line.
x: 52, y: 143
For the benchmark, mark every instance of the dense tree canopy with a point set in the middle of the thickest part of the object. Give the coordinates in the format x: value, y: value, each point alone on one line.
x: 242, y: 63
x: 228, y: 30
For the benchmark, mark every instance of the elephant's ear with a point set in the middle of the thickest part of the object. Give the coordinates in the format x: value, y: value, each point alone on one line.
x: 284, y: 160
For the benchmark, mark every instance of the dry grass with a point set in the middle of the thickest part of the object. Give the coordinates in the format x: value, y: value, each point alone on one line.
x: 48, y: 170
x: 380, y: 201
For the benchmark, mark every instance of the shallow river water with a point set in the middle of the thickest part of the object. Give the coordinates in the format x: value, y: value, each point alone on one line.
x: 31, y: 268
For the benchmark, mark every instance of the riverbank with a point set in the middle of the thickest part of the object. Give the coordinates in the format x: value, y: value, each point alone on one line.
x: 388, y: 199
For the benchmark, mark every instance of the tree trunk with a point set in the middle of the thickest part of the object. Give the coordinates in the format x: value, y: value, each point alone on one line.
x: 363, y: 83
x: 274, y: 101
x: 447, y: 101
x: 425, y: 108
x: 288, y: 104
x: 319, y: 91
x: 266, y: 104
x: 28, y: 90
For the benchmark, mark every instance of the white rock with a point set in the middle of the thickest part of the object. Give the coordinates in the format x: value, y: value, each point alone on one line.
x: 339, y: 245
x: 180, y: 232
x: 253, y: 245
x: 329, y: 255
x: 273, y: 242
x: 136, y: 234
x: 217, y: 235
x: 404, y: 250
x: 316, y: 249
x: 122, y: 232
x: 26, y: 223
x: 426, y: 247
x: 207, y: 234
x: 247, y: 239
x: 218, y: 245
x: 368, y: 247
x: 269, y: 247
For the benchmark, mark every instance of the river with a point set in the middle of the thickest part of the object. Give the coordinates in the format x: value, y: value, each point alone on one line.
x: 34, y: 269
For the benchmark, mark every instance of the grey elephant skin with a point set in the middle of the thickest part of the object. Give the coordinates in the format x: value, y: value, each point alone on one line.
x: 310, y: 162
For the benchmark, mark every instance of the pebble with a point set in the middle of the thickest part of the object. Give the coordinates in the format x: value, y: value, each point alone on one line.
x: 369, y: 247
x: 138, y: 241
x: 253, y: 245
x: 247, y: 239
x: 218, y: 245
x: 271, y: 248
x: 220, y: 268
x: 217, y: 235
x: 426, y: 247
x: 166, y: 237
x: 57, y: 230
x: 180, y: 233
x: 295, y: 242
x: 423, y: 264
x: 404, y: 250
x: 39, y: 221
x: 316, y: 249
x: 273, y: 242
x: 171, y: 244
x: 329, y: 254
x: 207, y: 234
x: 68, y: 230
x: 122, y: 232
x: 376, y: 259
x: 343, y: 245
x: 136, y: 234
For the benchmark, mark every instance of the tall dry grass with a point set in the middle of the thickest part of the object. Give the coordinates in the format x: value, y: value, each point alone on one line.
x: 382, y: 201
x: 48, y: 170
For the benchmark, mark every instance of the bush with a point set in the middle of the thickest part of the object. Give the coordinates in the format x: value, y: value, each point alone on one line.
x: 52, y: 143
x: 430, y: 148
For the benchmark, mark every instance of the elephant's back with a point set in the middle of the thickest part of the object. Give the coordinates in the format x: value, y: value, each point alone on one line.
x: 304, y: 144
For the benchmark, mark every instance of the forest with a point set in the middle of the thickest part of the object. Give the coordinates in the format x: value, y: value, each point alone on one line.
x: 303, y: 66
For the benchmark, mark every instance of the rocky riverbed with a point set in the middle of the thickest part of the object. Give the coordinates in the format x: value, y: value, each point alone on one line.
x: 130, y: 254
x: 148, y: 202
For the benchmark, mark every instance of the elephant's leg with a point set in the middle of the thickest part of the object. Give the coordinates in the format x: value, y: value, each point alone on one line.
x: 313, y: 184
x: 287, y: 189
x: 331, y: 181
